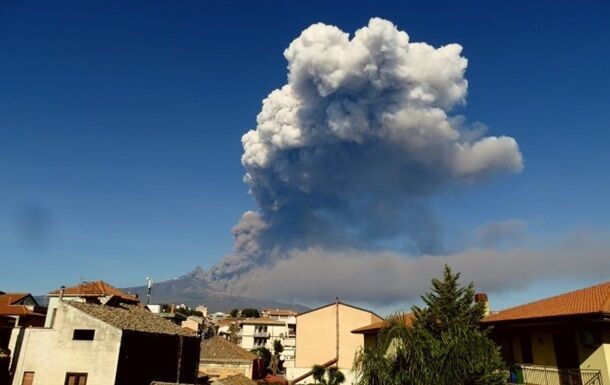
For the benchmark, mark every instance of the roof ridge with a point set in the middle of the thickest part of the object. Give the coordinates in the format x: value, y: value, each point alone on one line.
x: 557, y: 296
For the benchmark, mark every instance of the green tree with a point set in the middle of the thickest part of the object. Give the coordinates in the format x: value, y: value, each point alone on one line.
x: 444, y: 346
x: 276, y: 364
x: 234, y: 330
x: 234, y: 313
x: 264, y: 354
x: 327, y: 376
x: 250, y: 313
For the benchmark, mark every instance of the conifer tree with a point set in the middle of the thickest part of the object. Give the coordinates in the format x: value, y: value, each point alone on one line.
x: 444, y: 346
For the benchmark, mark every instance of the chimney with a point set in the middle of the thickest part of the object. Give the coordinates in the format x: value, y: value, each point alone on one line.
x: 172, y: 309
x: 61, y: 293
x: 482, y: 297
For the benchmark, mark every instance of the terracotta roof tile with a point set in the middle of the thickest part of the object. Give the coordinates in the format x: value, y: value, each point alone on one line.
x: 95, y: 289
x: 590, y: 301
x: 218, y: 348
x: 261, y: 321
x: 19, y: 310
x: 11, y: 298
x: 237, y: 379
x: 131, y: 317
x: 407, y: 319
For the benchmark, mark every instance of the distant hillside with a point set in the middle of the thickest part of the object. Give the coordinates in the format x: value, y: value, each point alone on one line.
x: 193, y: 289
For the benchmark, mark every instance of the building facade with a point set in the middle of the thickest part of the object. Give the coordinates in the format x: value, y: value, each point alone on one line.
x: 103, y: 345
x: 325, y: 334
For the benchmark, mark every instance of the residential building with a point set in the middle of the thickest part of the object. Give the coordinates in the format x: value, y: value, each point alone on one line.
x: 194, y: 323
x: 371, y: 332
x: 20, y: 309
x: 261, y: 332
x: 98, y: 292
x: 323, y: 336
x: 563, y: 339
x: 168, y: 311
x: 203, y: 310
x: 221, y: 358
x: 17, y: 309
x: 111, y: 344
x: 289, y: 340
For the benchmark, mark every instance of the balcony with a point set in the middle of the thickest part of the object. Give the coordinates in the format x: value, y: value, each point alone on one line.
x: 259, y: 334
x: 548, y: 375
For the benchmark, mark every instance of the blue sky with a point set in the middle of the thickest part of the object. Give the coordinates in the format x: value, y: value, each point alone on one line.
x: 121, y: 122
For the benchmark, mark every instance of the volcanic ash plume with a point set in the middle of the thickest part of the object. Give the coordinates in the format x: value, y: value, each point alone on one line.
x: 346, y: 153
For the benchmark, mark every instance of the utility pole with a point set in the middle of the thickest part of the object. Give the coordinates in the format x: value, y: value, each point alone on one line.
x: 337, y: 328
x: 150, y: 283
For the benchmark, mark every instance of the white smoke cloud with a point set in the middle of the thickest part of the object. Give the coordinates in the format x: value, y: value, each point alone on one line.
x: 349, y: 150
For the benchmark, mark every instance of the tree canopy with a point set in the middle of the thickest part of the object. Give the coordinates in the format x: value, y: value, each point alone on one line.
x: 250, y: 313
x: 445, y: 344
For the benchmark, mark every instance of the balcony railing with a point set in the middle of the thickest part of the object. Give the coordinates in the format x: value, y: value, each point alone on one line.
x: 546, y: 375
x: 261, y: 334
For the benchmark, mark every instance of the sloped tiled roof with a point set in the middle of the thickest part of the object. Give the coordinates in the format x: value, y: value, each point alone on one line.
x: 261, y: 321
x: 20, y: 310
x: 8, y: 305
x: 594, y: 300
x: 340, y: 303
x: 95, y: 289
x: 11, y: 298
x: 131, y: 317
x: 407, y: 318
x: 280, y: 312
x: 237, y: 379
x: 218, y: 348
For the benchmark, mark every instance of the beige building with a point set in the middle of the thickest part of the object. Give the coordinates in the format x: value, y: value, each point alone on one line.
x: 324, y: 334
x: 559, y: 340
x: 103, y: 345
x: 221, y: 358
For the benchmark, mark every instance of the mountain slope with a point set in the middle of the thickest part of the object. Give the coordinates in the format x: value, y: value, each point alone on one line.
x: 193, y: 289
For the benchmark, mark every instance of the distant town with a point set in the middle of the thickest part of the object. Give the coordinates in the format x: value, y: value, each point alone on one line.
x: 95, y: 333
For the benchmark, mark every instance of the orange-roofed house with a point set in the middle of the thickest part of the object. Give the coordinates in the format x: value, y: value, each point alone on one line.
x: 96, y: 292
x: 324, y: 337
x: 20, y: 309
x: 371, y: 331
x: 565, y: 338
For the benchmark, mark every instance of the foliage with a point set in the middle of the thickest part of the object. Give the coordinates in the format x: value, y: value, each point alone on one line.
x: 234, y: 333
x: 189, y: 312
x: 250, y: 313
x: 264, y: 354
x: 276, y: 363
x: 328, y: 376
x: 445, y: 345
x: 234, y: 313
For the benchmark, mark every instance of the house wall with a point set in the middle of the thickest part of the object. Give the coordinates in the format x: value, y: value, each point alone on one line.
x: 51, y: 353
x: 599, y: 360
x: 223, y: 369
x: 316, y: 335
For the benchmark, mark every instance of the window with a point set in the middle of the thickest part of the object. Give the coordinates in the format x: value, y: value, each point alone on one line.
x: 28, y: 378
x: 526, y: 349
x: 83, y: 334
x: 76, y: 379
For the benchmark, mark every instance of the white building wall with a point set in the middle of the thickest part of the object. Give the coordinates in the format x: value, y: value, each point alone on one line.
x: 51, y: 353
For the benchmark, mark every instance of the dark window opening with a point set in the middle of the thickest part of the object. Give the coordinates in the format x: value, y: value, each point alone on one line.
x: 76, y: 379
x: 83, y: 334
x: 526, y: 349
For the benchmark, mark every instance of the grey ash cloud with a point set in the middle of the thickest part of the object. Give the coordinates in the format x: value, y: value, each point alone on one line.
x: 348, y: 152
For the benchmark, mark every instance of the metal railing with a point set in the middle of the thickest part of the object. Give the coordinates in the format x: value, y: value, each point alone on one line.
x: 546, y: 375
